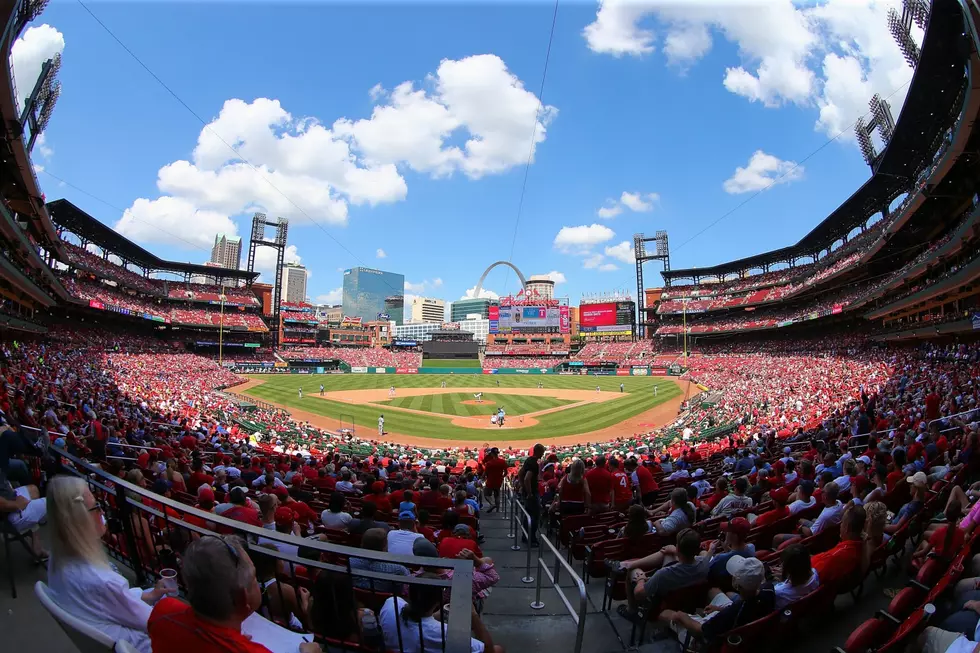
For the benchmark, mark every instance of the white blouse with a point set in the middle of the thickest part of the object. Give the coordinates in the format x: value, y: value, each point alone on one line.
x: 101, y: 597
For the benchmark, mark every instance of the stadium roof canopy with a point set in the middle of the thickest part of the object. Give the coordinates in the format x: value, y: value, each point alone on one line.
x: 933, y: 98
x: 71, y: 218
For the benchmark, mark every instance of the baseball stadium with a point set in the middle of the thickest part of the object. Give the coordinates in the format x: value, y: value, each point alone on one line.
x: 774, y: 452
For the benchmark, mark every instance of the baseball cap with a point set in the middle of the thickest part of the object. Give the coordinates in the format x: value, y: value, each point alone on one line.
x: 284, y: 516
x: 698, y: 473
x: 205, y: 494
x: 779, y: 495
x: 918, y: 478
x: 740, y: 526
x: 406, y: 515
x: 865, y: 459
x: 462, y: 529
x: 281, y: 492
x: 160, y: 486
x: 749, y: 573
x: 378, y: 486
x: 424, y: 548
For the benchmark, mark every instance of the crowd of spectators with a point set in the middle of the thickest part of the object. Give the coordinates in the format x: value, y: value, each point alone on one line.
x: 106, y: 269
x: 625, y: 353
x: 357, y: 356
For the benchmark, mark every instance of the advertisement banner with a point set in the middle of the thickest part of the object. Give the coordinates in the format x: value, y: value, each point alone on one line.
x: 404, y: 343
x: 380, y: 370
x: 622, y: 372
x: 280, y: 364
x: 528, y: 319
x: 319, y: 370
x: 592, y: 315
x: 564, y: 321
x: 606, y: 331
x: 837, y: 309
x: 358, y: 370
x: 640, y: 371
x: 975, y: 319
x: 94, y: 304
x: 490, y: 371
x: 406, y: 370
x: 658, y: 372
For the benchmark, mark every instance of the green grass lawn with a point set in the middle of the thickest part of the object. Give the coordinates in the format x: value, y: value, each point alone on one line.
x: 451, y: 362
x: 637, y: 398
x: 452, y: 404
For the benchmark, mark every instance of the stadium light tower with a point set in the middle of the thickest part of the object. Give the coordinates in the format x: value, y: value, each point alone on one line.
x: 39, y: 105
x: 278, y: 243
x: 901, y: 30
x: 660, y: 253
x: 882, y: 122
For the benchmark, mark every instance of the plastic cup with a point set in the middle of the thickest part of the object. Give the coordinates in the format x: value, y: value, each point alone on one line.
x: 169, y: 578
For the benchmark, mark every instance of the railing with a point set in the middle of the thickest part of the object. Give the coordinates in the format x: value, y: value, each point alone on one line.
x: 965, y: 412
x: 148, y: 533
x: 520, y: 522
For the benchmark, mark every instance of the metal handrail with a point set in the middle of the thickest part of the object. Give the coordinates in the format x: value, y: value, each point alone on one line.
x: 553, y: 578
x: 965, y: 412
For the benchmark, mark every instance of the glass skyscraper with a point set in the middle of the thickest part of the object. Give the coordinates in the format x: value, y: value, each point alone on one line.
x: 369, y: 293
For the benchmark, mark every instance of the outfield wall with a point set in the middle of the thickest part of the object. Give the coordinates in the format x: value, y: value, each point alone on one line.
x: 635, y: 371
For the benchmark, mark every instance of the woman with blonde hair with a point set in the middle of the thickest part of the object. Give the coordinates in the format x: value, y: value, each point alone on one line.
x: 874, y: 535
x: 80, y: 577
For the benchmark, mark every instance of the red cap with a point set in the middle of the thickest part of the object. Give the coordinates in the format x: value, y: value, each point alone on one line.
x: 740, y: 526
x: 779, y: 495
x: 281, y: 492
x: 284, y: 517
x: 205, y: 494
x: 297, y: 479
x: 378, y: 487
x: 779, y: 466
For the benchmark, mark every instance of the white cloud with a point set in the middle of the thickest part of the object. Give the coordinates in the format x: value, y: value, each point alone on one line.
x: 476, y: 97
x: 437, y: 282
x: 593, y: 261
x: 622, y: 252
x: 636, y: 202
x: 335, y: 296
x: 42, y: 148
x: 173, y: 221
x: 830, y: 56
x: 608, y: 267
x: 608, y: 212
x: 763, y: 170
x: 28, y: 54
x: 582, y: 238
x: 640, y: 203
x: 377, y: 92
x: 556, y: 276
x: 296, y: 167
x: 484, y: 293
x: 414, y: 287
x: 381, y: 253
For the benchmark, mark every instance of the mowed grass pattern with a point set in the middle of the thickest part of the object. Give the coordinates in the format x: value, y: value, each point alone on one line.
x: 637, y: 398
x: 452, y: 404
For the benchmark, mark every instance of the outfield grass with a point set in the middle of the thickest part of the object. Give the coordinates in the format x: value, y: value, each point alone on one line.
x: 467, y: 363
x: 452, y: 403
x: 638, y: 398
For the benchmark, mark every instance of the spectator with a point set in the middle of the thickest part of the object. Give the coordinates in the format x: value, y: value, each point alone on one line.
x: 689, y: 568
x: 450, y: 546
x: 80, y: 578
x: 223, y: 592
x: 844, y: 560
x: 24, y: 510
x: 331, y: 613
x: 682, y: 514
x: 830, y: 515
x: 336, y: 515
x: 600, y: 485
x: 375, y: 539
x: 637, y: 525
x: 411, y: 626
x: 400, y: 541
x: 281, y: 602
x: 736, y: 502
x: 799, y: 577
x: 574, y: 497
x: 367, y: 521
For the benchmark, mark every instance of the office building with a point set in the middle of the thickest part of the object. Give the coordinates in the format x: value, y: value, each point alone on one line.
x: 464, y: 307
x: 227, y: 251
x: 293, y: 283
x: 329, y: 314
x: 372, y: 294
x: 427, y: 309
x: 423, y: 332
x: 541, y: 286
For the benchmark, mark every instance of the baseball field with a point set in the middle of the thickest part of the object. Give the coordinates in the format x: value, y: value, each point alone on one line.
x: 420, y: 410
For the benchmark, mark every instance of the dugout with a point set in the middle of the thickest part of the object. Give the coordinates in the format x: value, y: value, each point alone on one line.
x: 451, y: 345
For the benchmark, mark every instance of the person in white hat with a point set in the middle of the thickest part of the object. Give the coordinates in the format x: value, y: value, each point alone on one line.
x: 919, y: 482
x: 753, y: 599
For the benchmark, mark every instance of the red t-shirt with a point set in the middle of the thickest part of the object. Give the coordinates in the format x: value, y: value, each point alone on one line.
x: 893, y: 478
x: 622, y: 490
x: 450, y: 547
x: 938, y: 539
x: 838, y: 563
x: 197, y: 479
x: 244, y: 514
x: 381, y: 501
x: 495, y: 471
x: 174, y: 628
x: 932, y: 406
x: 645, y: 480
x: 772, y: 516
x: 600, y: 484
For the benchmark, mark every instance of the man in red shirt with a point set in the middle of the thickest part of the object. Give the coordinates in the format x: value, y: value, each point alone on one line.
x: 197, y: 477
x: 240, y: 511
x: 600, y: 485
x: 644, y: 480
x: 461, y: 538
x: 494, y: 471
x: 844, y: 560
x: 222, y: 597
x: 379, y: 498
x: 622, y: 486
x: 779, y: 498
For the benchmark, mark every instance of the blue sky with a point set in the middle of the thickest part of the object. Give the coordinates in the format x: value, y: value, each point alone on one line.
x: 656, y: 116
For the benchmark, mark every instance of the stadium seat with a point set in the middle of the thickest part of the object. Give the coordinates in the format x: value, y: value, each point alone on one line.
x: 88, y: 639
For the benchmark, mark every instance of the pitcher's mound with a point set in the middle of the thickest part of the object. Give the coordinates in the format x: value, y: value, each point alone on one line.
x: 474, y: 402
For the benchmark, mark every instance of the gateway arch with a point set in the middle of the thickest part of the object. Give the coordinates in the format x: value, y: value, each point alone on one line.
x: 483, y: 277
